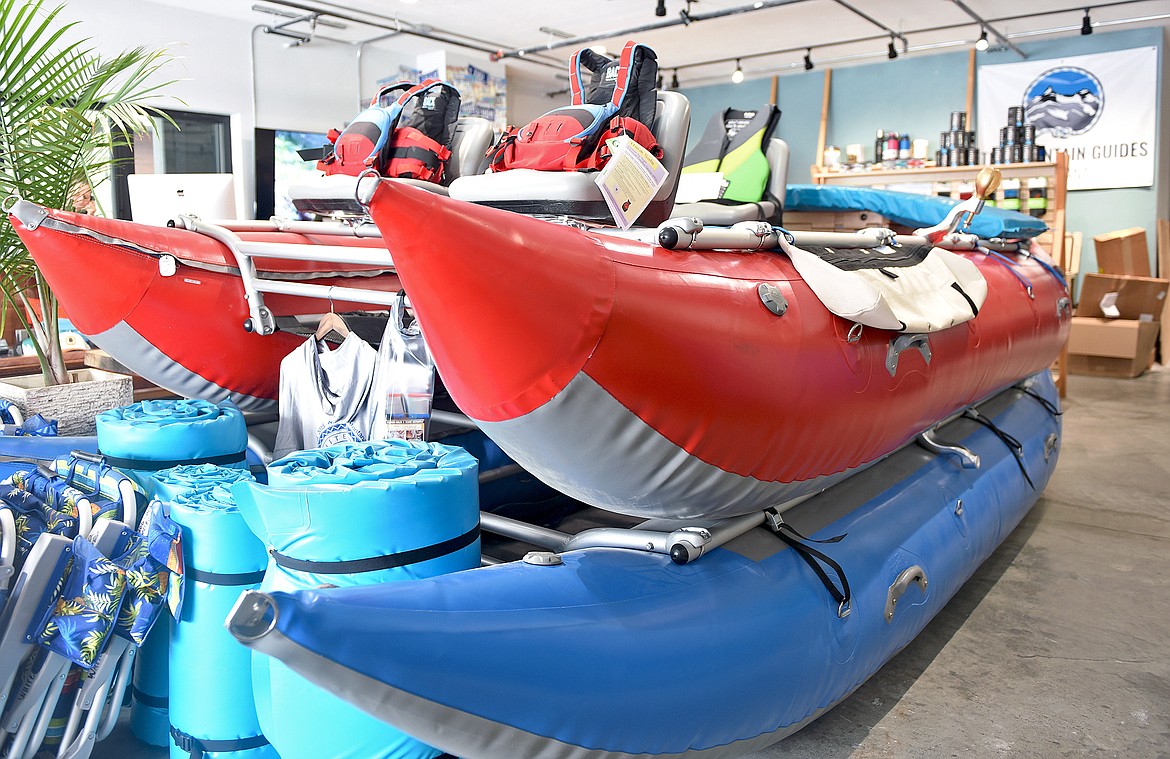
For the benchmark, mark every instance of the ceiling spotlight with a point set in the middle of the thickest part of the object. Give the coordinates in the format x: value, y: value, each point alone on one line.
x: 1086, y: 23
x: 737, y: 75
x: 674, y: 80
x: 891, y: 51
x: 981, y: 44
x: 658, y: 84
x: 808, y: 64
x: 661, y: 9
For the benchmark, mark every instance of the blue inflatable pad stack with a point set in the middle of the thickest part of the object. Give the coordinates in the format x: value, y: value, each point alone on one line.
x: 141, y: 440
x: 348, y: 515
x: 211, y: 708
x: 149, y: 436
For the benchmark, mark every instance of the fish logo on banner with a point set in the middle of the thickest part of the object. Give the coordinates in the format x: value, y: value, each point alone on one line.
x: 1064, y: 101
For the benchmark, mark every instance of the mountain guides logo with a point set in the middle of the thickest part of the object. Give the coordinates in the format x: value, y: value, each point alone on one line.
x: 1064, y: 101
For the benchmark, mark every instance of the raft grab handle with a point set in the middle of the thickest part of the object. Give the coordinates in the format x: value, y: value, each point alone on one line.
x: 967, y: 459
x: 904, y: 342
x: 253, y: 616
x: 915, y: 575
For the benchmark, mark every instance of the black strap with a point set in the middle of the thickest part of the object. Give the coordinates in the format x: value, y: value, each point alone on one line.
x: 227, y: 580
x: 1013, y: 445
x: 155, y: 466
x: 146, y: 699
x: 375, y: 563
x: 813, y: 558
x: 427, y: 157
x: 197, y: 747
x: 966, y: 297
x: 1048, y: 405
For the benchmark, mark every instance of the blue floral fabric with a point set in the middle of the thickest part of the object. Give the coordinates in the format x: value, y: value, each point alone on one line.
x: 27, y: 513
x: 78, y: 624
x: 163, y: 540
x: 147, y: 581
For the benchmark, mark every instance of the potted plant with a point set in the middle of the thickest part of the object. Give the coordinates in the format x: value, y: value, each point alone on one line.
x: 63, y: 110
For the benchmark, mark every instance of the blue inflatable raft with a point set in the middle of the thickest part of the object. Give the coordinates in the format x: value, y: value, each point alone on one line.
x: 658, y: 641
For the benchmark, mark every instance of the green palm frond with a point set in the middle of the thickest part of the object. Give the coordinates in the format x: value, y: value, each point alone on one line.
x: 63, y: 108
x: 69, y: 607
x: 91, y: 645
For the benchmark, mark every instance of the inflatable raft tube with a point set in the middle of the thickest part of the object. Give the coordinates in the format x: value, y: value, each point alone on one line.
x: 352, y: 515
x: 713, y: 658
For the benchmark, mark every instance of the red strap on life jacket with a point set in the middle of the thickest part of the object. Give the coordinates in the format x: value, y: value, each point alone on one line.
x: 619, y: 90
x: 576, y: 88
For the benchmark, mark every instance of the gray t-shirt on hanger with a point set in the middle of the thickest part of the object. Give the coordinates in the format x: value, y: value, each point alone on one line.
x: 327, y: 396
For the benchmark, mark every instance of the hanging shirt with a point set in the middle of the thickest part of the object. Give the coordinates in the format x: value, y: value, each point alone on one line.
x: 327, y: 396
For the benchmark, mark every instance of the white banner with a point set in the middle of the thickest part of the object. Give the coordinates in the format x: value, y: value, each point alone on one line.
x: 1100, y: 108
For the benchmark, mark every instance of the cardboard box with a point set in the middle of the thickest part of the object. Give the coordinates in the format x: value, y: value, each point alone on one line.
x: 1123, y: 252
x: 1116, y: 326
x: 1140, y: 298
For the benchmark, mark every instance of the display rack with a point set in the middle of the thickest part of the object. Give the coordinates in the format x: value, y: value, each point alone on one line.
x: 1055, y: 173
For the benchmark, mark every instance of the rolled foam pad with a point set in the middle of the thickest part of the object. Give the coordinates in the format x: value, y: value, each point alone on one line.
x: 149, y: 436
x: 169, y: 484
x: 348, y: 515
x: 210, y: 689
x: 140, y: 440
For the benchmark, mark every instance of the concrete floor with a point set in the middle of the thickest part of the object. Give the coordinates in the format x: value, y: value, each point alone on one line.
x: 1059, y: 646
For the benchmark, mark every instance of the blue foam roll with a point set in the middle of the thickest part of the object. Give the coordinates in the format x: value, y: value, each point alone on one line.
x: 210, y: 690
x: 148, y: 436
x: 141, y: 439
x: 413, y: 504
x: 169, y: 484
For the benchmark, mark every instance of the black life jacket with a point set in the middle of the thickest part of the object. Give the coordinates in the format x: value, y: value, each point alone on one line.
x: 734, y: 143
x: 608, y: 97
x: 406, y: 132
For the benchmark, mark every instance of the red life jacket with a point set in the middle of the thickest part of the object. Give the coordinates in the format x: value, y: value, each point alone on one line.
x: 405, y: 136
x: 619, y: 99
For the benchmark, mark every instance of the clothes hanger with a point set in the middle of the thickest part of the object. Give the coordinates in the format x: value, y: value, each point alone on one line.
x: 331, y: 322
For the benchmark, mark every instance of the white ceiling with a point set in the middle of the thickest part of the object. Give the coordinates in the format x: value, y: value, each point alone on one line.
x: 771, y: 40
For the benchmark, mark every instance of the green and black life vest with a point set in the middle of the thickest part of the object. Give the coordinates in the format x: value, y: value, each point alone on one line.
x: 733, y: 143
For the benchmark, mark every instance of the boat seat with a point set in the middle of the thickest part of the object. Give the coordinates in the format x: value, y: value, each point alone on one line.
x: 331, y: 195
x: 719, y: 213
x: 574, y: 193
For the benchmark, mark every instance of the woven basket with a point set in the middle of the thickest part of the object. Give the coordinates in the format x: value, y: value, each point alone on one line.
x: 75, y: 405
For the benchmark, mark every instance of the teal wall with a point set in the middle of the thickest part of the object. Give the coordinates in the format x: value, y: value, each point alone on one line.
x: 916, y: 94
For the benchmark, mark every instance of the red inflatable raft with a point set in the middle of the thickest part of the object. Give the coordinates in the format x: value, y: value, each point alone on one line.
x: 659, y: 383
x: 170, y: 303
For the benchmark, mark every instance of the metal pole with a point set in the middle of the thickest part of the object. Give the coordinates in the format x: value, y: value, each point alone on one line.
x: 875, y: 22
x: 1015, y: 48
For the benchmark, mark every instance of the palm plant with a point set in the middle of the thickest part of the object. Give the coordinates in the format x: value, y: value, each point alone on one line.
x: 63, y: 110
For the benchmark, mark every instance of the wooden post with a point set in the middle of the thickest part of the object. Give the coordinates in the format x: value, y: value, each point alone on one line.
x: 1060, y: 253
x: 971, y: 90
x: 775, y: 90
x: 824, y: 119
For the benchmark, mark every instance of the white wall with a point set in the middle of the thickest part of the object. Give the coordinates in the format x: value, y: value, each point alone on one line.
x: 307, y: 88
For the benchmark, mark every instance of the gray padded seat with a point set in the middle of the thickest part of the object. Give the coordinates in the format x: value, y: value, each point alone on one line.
x: 574, y: 193
x: 769, y: 209
x: 328, y: 195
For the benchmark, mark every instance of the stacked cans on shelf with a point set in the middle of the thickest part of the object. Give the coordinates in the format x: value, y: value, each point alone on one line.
x: 1017, y: 140
x: 957, y: 145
